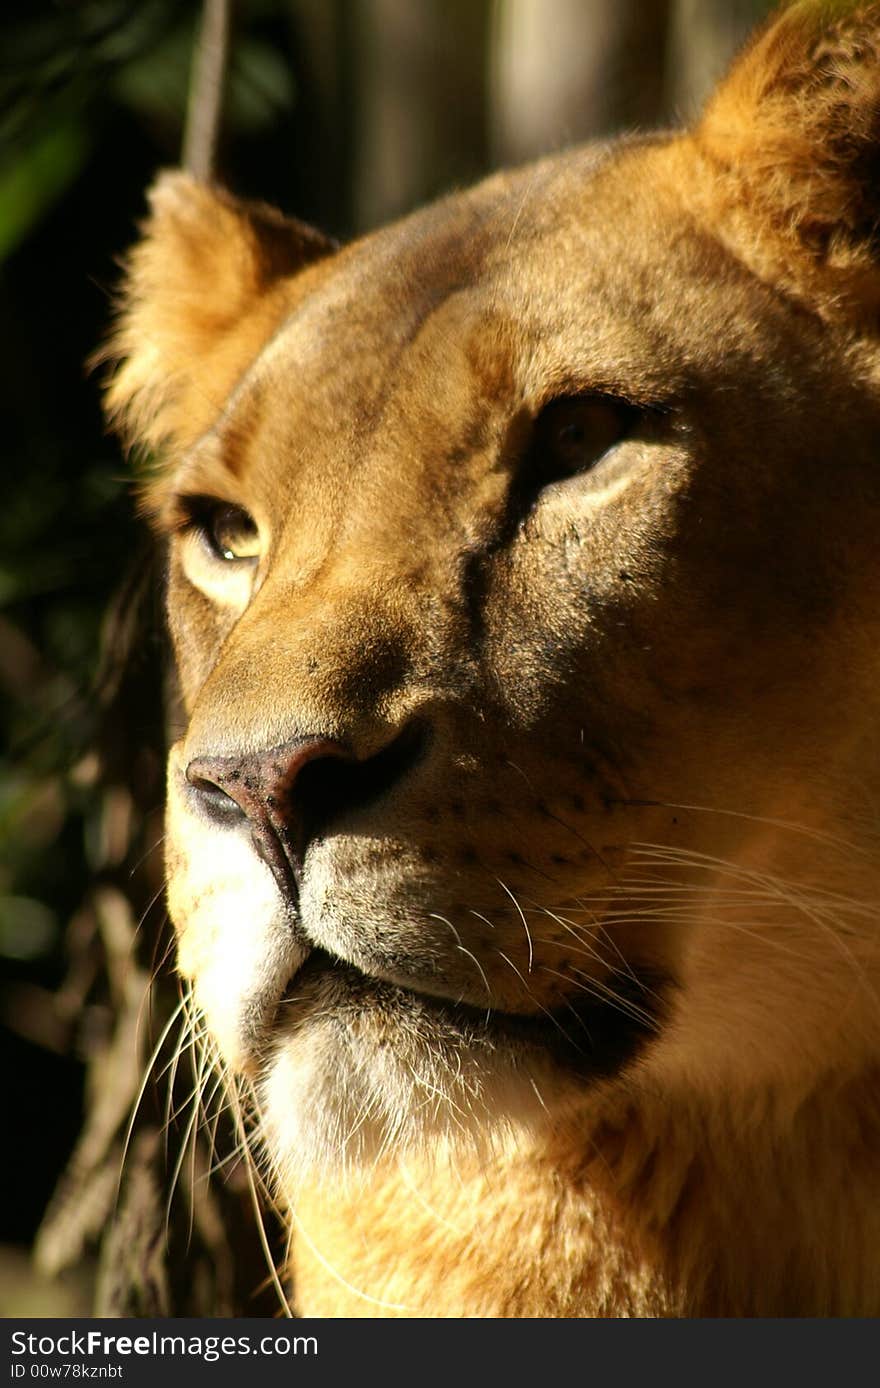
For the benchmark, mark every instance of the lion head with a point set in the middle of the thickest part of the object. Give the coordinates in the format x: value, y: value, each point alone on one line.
x: 521, y: 573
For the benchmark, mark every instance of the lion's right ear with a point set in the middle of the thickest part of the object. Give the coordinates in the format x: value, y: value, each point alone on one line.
x: 199, y: 299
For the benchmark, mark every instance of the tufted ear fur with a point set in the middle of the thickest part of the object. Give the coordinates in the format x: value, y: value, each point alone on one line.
x: 792, y: 143
x: 200, y: 297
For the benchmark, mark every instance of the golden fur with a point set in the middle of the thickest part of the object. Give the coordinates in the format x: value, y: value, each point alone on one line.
x: 523, y: 840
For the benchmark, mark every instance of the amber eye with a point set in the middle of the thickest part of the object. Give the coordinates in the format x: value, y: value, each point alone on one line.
x: 231, y: 533
x: 573, y: 433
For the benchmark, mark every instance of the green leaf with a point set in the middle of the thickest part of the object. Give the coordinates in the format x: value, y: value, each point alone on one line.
x: 31, y: 185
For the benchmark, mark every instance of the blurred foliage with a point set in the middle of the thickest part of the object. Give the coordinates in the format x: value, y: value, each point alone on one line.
x: 65, y: 64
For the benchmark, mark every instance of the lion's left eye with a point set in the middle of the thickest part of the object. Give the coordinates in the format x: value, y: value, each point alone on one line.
x: 231, y: 533
x: 573, y: 433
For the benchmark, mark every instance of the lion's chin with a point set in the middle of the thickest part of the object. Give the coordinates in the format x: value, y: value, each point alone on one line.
x: 359, y: 1069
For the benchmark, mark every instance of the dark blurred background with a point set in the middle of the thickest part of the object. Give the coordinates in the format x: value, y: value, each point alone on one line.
x: 344, y: 113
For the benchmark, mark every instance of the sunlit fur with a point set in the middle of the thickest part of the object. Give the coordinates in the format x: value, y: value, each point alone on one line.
x: 578, y: 1016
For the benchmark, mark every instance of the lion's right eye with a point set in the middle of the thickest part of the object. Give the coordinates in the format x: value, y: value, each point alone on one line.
x: 220, y: 545
x: 231, y: 533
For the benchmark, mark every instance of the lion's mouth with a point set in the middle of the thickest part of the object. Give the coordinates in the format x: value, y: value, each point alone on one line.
x: 594, y: 1038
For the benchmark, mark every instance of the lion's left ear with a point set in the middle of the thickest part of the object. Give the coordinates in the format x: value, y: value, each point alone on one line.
x: 792, y: 142
x: 203, y: 291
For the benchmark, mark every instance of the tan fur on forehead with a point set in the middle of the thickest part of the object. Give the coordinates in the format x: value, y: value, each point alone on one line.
x: 791, y: 139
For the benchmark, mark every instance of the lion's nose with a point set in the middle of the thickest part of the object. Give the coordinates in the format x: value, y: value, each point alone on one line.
x: 265, y: 790
x: 229, y: 787
x: 290, y: 794
x: 261, y: 788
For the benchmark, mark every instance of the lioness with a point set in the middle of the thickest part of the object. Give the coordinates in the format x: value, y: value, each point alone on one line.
x: 522, y: 576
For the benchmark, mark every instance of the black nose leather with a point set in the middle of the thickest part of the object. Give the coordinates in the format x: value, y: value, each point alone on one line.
x: 291, y: 794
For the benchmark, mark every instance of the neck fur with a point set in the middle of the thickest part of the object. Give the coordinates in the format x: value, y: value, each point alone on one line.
x: 652, y: 1206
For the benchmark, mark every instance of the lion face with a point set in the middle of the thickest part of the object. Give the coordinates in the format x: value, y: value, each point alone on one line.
x: 517, y: 560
